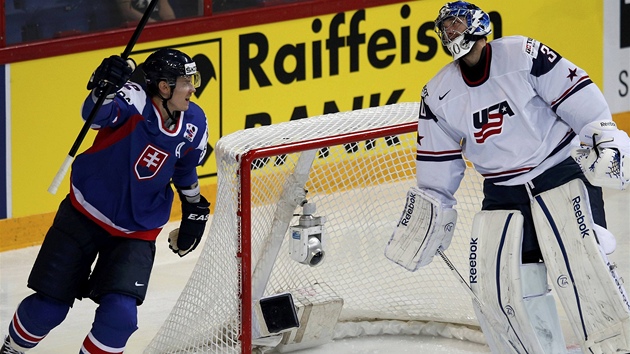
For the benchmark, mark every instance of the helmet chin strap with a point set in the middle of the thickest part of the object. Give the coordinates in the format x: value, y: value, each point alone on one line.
x: 172, y: 116
x: 171, y: 119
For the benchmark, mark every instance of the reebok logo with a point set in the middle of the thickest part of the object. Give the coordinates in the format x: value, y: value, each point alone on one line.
x: 444, y: 95
x: 579, y: 217
x: 608, y: 124
x: 411, y: 201
x: 473, y: 260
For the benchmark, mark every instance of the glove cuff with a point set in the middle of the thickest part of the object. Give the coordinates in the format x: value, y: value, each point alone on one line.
x: 191, y: 194
x: 196, y: 212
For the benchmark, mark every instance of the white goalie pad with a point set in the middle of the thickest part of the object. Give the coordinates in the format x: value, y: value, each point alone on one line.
x: 587, y: 284
x: 520, y: 314
x: 423, y: 228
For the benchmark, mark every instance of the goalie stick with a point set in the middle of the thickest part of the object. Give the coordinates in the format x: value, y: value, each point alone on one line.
x: 54, y: 185
x: 491, y: 315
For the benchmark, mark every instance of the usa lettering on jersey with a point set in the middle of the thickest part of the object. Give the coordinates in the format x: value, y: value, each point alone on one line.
x: 489, y: 121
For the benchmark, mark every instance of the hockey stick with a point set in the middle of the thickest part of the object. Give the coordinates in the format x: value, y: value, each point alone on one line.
x: 88, y: 122
x: 491, y: 315
x: 461, y: 279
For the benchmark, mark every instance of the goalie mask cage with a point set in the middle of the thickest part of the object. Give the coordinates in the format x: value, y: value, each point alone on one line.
x: 357, y: 167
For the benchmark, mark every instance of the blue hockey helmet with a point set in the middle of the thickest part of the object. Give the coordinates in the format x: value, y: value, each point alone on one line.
x: 476, y: 24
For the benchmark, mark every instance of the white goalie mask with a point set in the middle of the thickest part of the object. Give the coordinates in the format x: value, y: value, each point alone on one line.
x: 459, y: 25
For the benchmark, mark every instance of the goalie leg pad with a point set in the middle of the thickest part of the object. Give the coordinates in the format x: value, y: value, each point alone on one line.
x: 522, y: 313
x: 540, y: 306
x: 423, y: 228
x: 587, y: 284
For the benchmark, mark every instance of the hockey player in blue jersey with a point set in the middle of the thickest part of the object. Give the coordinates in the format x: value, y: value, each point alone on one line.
x: 539, y: 131
x: 120, y: 198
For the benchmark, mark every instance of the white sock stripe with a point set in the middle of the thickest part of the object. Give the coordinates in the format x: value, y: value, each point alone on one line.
x: 20, y: 330
x: 83, y: 350
x: 102, y: 346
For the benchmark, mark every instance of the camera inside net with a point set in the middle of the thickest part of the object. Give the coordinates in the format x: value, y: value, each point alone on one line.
x: 307, y: 242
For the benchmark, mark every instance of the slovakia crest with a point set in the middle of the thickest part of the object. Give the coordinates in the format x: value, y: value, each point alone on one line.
x: 150, y: 162
x: 191, y: 132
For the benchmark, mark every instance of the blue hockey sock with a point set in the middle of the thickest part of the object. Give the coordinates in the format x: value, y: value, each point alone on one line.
x: 34, y: 318
x: 115, y: 321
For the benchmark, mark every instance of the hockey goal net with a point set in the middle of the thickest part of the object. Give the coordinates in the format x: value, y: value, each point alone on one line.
x: 357, y: 167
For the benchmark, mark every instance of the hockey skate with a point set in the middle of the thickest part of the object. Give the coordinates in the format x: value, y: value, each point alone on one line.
x: 7, y: 348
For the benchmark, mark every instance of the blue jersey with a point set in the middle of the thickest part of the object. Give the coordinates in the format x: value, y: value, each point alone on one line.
x: 122, y: 181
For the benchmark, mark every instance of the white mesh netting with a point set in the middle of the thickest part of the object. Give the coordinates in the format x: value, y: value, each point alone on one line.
x: 358, y: 181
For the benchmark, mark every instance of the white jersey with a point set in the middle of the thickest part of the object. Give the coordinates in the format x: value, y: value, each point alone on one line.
x: 518, y: 120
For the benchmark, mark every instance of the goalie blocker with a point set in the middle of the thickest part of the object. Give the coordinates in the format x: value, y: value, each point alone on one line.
x: 423, y: 227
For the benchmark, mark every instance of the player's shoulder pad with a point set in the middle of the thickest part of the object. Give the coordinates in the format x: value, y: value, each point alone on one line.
x: 537, y: 50
x: 195, y: 114
x: 445, y: 77
x: 543, y: 57
x: 531, y: 47
x: 133, y: 94
x: 514, y: 46
x: 195, y: 120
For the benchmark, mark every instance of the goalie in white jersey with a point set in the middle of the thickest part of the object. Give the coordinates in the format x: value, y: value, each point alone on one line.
x: 518, y: 111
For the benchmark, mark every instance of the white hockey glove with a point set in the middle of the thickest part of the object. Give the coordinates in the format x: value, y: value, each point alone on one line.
x: 604, y: 155
x: 423, y: 228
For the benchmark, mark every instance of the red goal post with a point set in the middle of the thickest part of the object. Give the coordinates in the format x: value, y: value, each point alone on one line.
x: 356, y: 168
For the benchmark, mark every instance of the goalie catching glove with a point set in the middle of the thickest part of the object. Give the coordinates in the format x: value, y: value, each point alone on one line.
x: 604, y: 155
x: 194, y: 217
x: 423, y: 227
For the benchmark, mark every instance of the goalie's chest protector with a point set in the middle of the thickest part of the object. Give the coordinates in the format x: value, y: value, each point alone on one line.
x: 504, y: 125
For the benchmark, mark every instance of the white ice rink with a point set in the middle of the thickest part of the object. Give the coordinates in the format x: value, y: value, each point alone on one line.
x: 171, y: 273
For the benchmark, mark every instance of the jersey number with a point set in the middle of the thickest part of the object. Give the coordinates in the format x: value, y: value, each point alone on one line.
x: 551, y: 55
x: 130, y: 86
